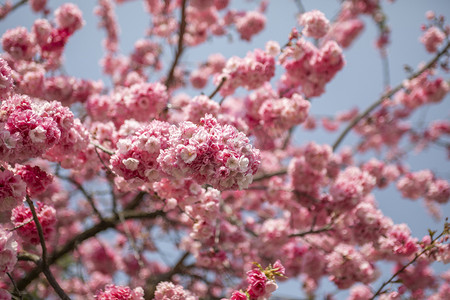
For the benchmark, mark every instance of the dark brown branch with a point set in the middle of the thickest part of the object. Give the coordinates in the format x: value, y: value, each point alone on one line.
x: 312, y: 231
x: 180, y: 48
x: 42, y: 264
x: 218, y: 88
x: 269, y: 175
x: 103, y: 225
x: 387, y: 95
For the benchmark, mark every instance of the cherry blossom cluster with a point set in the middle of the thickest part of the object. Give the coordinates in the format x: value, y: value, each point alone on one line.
x: 13, y: 190
x: 120, y: 292
x: 211, y: 153
x: 261, y: 283
x: 249, y: 72
x: 140, y: 101
x: 22, y: 218
x: 309, y: 67
x: 423, y: 183
x: 272, y: 114
x: 8, y: 251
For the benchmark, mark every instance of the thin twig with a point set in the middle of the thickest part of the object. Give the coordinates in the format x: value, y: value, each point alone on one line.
x: 179, y: 52
x: 14, y: 7
x: 387, y: 95
x: 107, y: 151
x: 269, y: 175
x: 325, y: 228
x: 89, y: 198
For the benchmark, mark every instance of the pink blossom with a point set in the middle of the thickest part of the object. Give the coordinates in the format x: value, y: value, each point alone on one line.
x: 315, y: 24
x: 69, y: 16
x: 169, y: 291
x: 38, y: 5
x: 13, y: 190
x: 250, y: 24
x: 36, y: 179
x: 22, y: 217
x: 113, y: 292
x: 18, y: 43
x: 432, y: 39
x: 6, y: 81
x: 8, y: 250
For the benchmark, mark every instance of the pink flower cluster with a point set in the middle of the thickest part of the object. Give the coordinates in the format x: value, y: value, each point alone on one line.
x: 344, y: 32
x: 169, y: 291
x: 346, y: 266
x: 261, y: 283
x: 316, y: 25
x: 105, y: 10
x: 136, y: 155
x: 8, y: 251
x: 422, y: 90
x: 250, y: 24
x: 23, y: 219
x: 250, y: 72
x: 309, y: 67
x: 6, y: 81
x: 140, y: 101
x: 308, y: 171
x: 18, y: 43
x: 214, y: 64
x: 424, y: 184
x: 211, y: 153
x: 25, y: 130
x: 13, y: 190
x: 432, y: 39
x: 350, y: 187
x: 113, y: 292
x: 36, y: 179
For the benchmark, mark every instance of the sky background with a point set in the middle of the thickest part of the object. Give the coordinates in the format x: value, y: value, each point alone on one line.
x: 359, y: 84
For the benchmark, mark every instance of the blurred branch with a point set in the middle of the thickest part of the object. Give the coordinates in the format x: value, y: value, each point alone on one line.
x: 180, y: 48
x: 387, y: 95
x: 218, y: 88
x: 107, y: 151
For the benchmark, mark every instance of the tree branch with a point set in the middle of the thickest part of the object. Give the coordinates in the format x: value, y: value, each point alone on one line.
x: 387, y: 95
x: 42, y: 263
x: 170, y: 76
x: 218, y: 88
x: 103, y: 225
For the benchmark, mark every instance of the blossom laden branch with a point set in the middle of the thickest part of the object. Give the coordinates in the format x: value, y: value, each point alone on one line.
x: 387, y: 95
x: 444, y: 232
x: 103, y: 225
